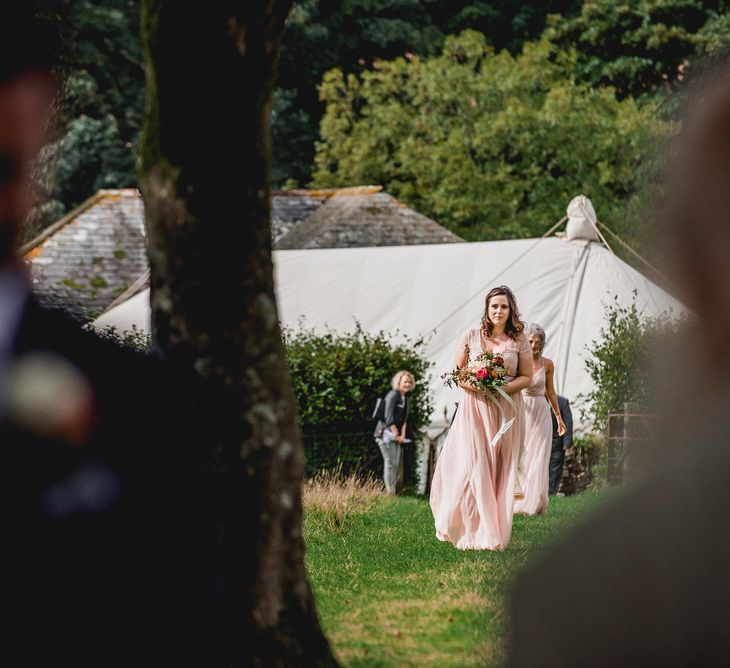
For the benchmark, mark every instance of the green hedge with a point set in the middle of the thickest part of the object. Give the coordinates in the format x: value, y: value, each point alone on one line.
x: 337, y: 378
x: 134, y: 339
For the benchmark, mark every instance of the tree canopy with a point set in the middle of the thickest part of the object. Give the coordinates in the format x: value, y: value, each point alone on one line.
x: 351, y: 34
x: 636, y: 50
x: 489, y: 144
x: 637, y: 47
x: 100, y: 104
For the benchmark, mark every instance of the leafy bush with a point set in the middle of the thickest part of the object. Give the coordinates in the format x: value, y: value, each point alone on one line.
x: 336, y: 379
x: 619, y: 362
x: 136, y: 339
x: 585, y: 464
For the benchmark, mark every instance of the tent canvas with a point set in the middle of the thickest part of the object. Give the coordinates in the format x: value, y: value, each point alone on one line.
x: 437, y: 292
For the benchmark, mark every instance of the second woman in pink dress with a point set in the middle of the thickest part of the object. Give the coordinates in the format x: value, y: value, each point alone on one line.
x: 534, y: 458
x: 473, y: 484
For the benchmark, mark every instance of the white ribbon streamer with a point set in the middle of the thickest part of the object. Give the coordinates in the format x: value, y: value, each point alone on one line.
x: 504, y: 427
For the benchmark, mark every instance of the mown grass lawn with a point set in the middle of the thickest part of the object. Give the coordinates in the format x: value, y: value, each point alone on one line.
x: 390, y: 594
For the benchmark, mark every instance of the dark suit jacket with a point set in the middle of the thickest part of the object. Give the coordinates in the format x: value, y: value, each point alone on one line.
x: 396, y: 412
x: 104, y: 553
x: 564, y: 441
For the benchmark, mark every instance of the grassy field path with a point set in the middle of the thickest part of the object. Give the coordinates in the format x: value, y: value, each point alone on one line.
x: 390, y: 594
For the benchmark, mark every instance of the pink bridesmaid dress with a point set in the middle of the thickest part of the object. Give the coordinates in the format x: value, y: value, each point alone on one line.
x: 534, y: 459
x: 473, y: 485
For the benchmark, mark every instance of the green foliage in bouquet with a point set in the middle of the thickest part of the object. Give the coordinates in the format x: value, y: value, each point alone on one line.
x: 487, y: 372
x: 337, y: 378
x: 488, y: 144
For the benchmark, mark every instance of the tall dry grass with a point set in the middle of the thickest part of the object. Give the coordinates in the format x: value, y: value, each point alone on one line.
x: 333, y: 497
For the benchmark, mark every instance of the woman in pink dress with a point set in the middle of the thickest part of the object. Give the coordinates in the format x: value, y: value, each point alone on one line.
x: 473, y: 484
x: 534, y: 459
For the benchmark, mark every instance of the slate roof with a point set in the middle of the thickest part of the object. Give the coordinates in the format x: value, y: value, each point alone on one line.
x: 85, y: 260
x: 291, y: 207
x: 353, y: 217
x: 98, y: 252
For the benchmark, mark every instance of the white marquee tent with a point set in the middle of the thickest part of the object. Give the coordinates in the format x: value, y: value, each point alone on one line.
x: 437, y: 291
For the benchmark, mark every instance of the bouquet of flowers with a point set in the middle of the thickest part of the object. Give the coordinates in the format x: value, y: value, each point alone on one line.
x: 486, y: 373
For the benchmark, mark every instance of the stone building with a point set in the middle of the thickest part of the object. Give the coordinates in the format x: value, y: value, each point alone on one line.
x: 96, y: 255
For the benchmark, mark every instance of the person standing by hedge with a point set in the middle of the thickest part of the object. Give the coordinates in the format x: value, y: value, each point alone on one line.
x: 390, y: 432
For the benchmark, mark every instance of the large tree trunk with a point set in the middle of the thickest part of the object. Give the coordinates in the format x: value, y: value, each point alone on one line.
x: 206, y: 183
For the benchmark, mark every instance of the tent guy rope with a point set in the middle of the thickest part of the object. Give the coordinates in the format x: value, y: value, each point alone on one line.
x: 499, y: 273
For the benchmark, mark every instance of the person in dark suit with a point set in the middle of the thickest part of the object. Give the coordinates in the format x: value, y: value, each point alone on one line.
x: 560, y: 444
x: 645, y: 581
x: 105, y: 555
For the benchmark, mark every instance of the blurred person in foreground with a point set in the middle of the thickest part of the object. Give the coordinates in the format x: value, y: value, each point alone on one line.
x: 646, y: 581
x: 102, y: 519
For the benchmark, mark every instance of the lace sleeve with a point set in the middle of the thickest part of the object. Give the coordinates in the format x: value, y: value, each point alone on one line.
x: 524, y: 357
x: 523, y: 344
x: 461, y: 357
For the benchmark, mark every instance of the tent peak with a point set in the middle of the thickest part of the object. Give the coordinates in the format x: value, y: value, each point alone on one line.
x: 582, y: 221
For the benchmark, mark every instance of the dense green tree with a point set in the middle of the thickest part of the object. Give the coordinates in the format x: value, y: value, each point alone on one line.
x: 506, y: 25
x: 636, y: 46
x: 713, y: 39
x: 490, y: 145
x: 351, y: 34
x: 100, y: 106
x: 323, y: 34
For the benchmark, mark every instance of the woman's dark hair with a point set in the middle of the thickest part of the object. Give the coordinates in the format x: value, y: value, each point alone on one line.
x: 514, y: 325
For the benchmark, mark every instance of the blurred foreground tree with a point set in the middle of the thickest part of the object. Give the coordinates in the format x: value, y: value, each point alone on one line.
x: 489, y: 145
x: 206, y: 162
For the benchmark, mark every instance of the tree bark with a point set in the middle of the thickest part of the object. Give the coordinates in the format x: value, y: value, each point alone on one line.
x: 205, y: 175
